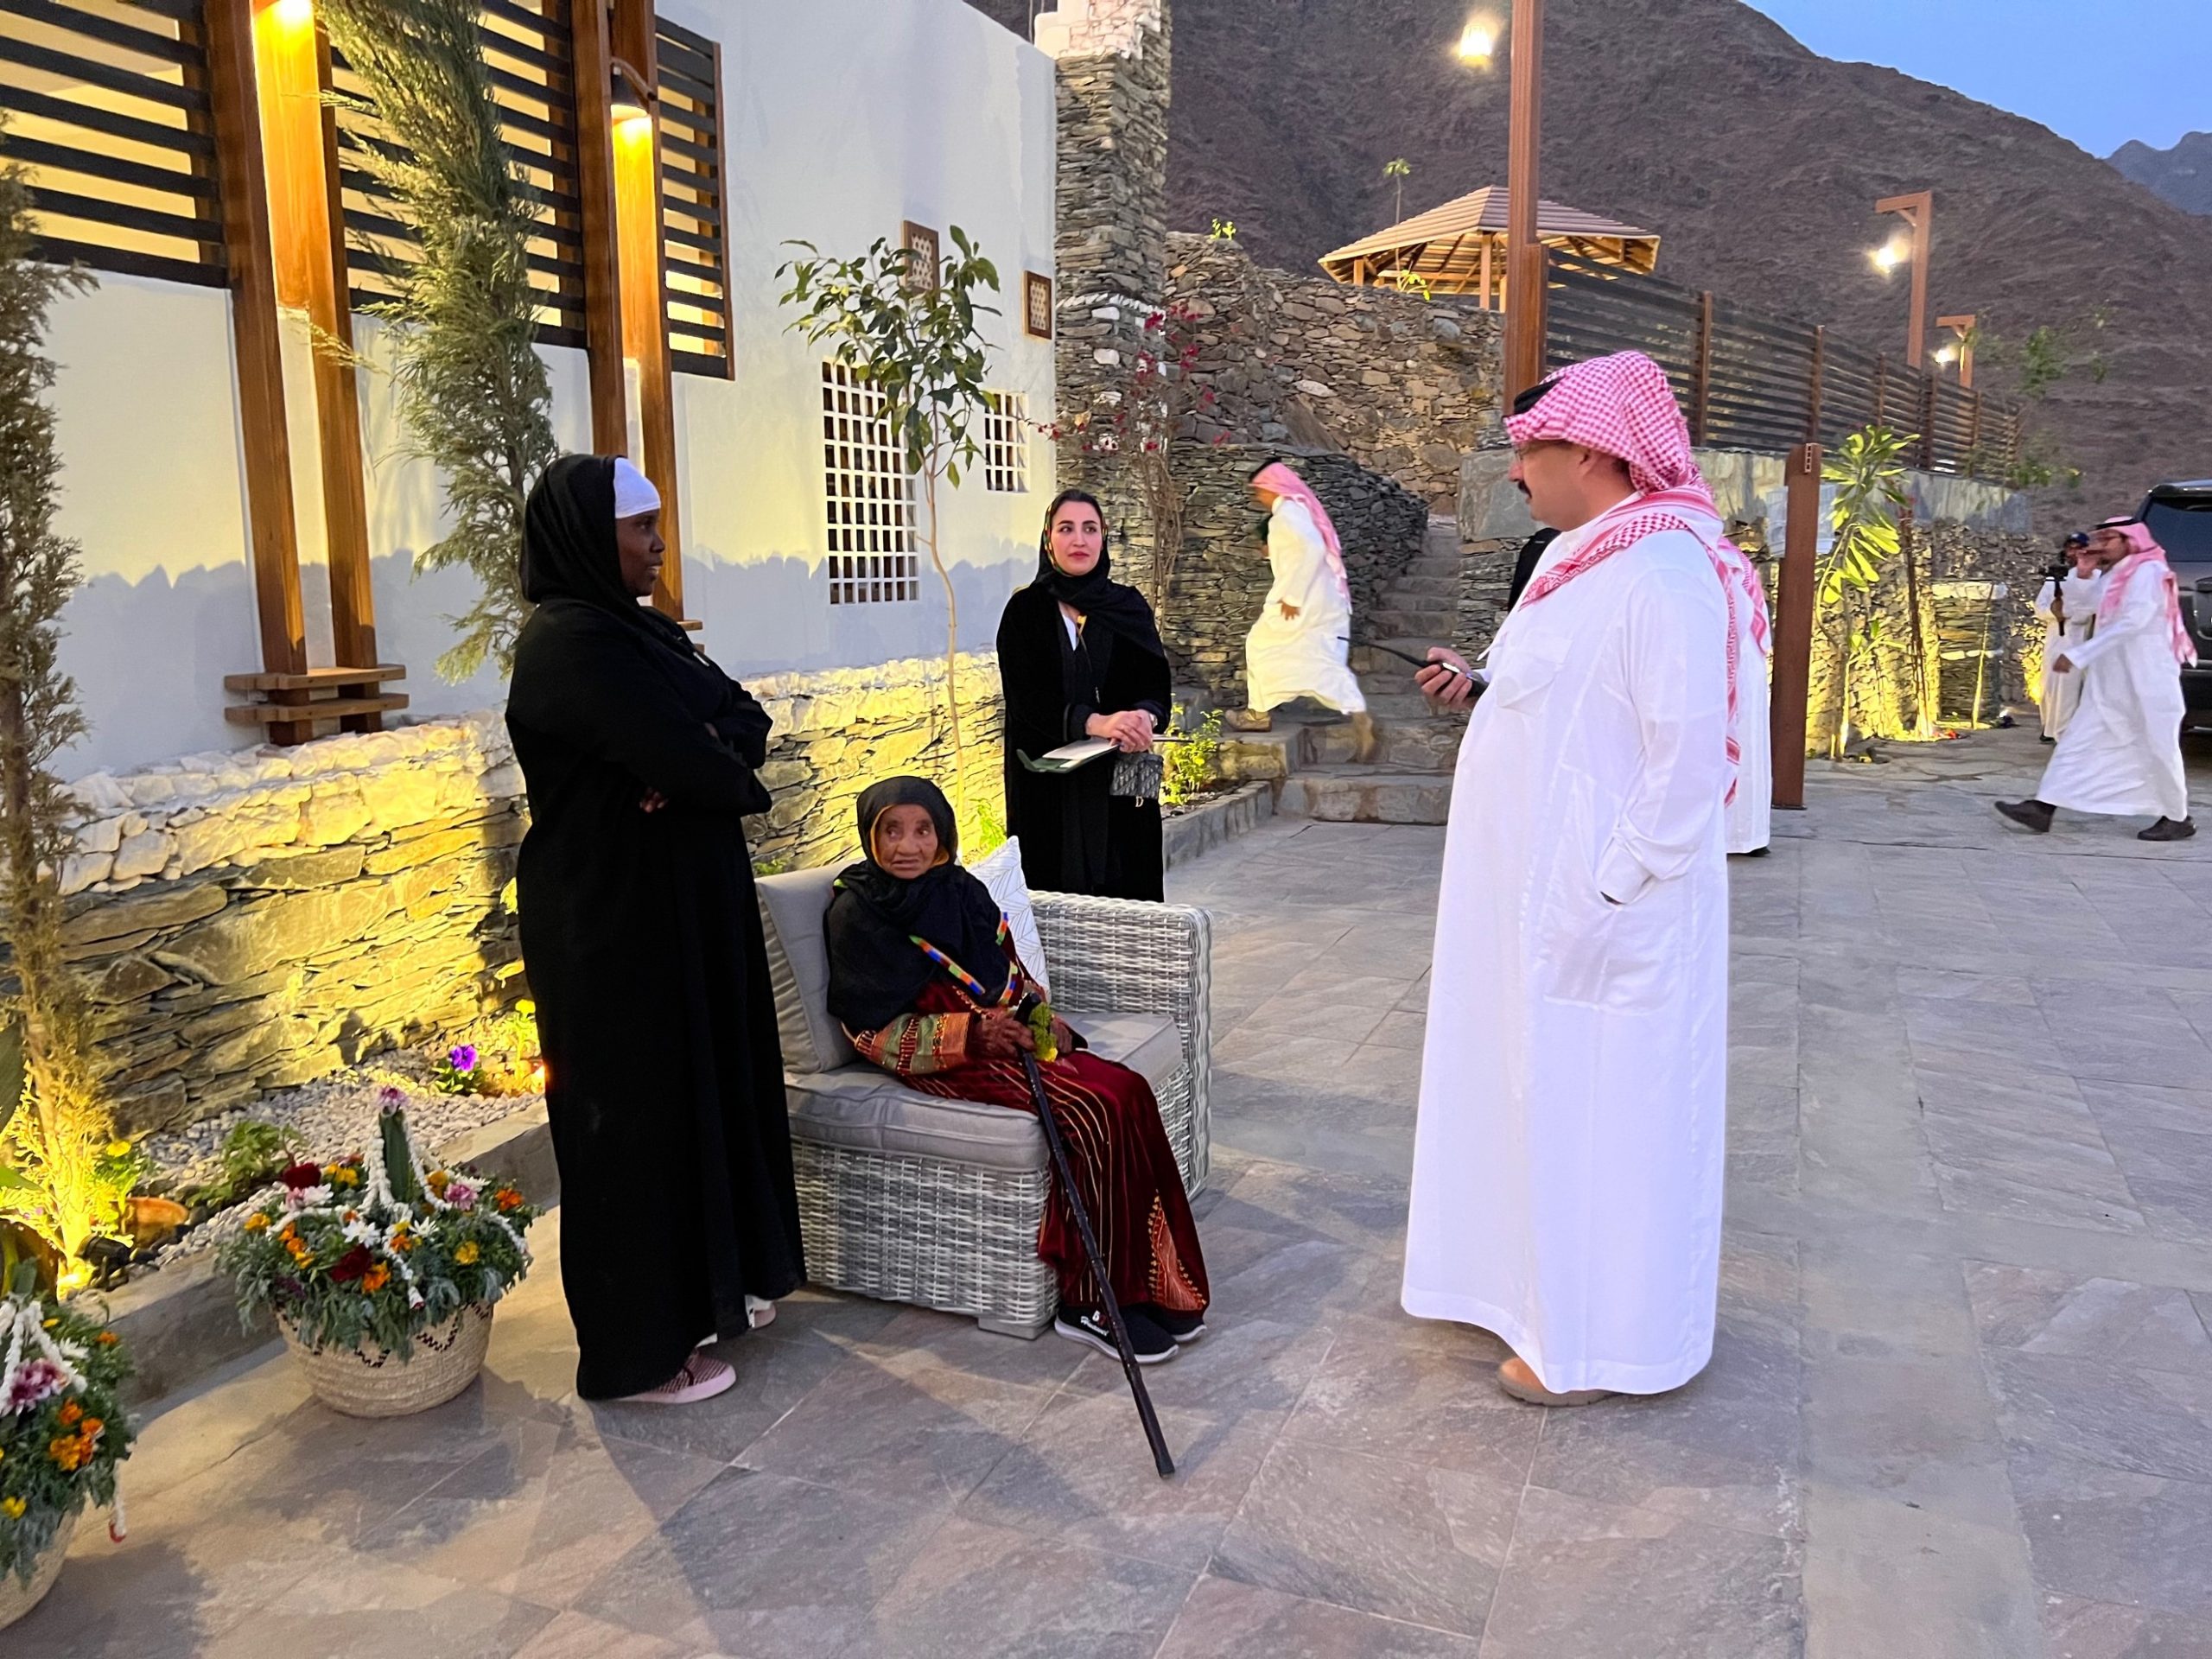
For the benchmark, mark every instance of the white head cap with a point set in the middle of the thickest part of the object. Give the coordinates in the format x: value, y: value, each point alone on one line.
x: 633, y: 492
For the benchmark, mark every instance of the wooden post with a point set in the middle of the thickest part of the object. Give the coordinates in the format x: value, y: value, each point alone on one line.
x: 235, y: 102
x: 592, y: 55
x: 1793, y: 634
x: 1813, y: 402
x: 1524, y: 250
x: 645, y: 312
x: 1918, y: 210
x: 1701, y: 385
x: 1488, y: 241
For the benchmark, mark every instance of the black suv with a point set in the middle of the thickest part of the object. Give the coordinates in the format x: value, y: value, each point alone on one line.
x: 2180, y: 518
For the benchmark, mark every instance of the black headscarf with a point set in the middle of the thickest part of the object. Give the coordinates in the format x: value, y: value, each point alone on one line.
x: 568, y: 548
x: 1111, y: 605
x: 876, y: 971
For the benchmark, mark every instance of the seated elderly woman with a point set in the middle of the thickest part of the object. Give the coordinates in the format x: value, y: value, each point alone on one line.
x: 924, y: 978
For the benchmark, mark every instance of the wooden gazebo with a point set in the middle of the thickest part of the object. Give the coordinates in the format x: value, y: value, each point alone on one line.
x: 1459, y: 248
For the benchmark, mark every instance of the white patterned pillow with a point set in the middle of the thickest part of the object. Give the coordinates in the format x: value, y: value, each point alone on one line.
x: 1000, y: 871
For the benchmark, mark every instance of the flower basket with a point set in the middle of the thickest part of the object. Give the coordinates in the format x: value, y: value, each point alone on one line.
x: 62, y: 1436
x: 381, y: 1275
x: 367, y: 1382
x: 18, y: 1596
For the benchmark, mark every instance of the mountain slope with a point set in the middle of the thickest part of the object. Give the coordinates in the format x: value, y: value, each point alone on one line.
x: 2182, y: 174
x: 1758, y: 161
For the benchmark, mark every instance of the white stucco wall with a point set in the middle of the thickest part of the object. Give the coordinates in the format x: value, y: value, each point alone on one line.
x: 846, y: 118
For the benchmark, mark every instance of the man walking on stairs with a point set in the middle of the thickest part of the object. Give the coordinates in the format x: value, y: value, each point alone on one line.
x: 1300, y: 646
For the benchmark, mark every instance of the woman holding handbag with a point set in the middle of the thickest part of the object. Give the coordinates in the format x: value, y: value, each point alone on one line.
x: 1080, y: 657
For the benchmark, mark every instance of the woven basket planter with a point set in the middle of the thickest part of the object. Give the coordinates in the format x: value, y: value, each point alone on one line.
x: 368, y: 1381
x: 17, y: 1598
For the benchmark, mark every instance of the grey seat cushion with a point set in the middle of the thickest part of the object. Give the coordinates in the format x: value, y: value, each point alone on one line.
x: 861, y: 1108
x: 791, y: 909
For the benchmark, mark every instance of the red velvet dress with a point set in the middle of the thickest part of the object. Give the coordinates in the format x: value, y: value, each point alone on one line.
x: 1116, y: 1145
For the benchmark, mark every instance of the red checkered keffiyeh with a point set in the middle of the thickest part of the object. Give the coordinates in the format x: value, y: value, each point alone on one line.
x: 2147, y: 555
x: 1622, y: 405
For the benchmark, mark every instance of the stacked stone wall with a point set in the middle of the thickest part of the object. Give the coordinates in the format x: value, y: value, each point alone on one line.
x: 1222, y: 578
x: 249, y: 921
x: 1404, y: 386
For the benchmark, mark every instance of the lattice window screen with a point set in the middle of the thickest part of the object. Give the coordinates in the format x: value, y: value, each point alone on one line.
x: 695, y: 254
x: 109, y: 114
x: 869, y: 494
x: 1006, y: 443
x: 526, y: 46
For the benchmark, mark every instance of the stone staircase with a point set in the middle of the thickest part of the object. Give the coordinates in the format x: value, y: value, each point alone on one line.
x: 1308, y: 756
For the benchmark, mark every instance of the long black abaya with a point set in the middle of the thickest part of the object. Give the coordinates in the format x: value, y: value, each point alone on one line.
x: 642, y: 939
x: 1076, y: 837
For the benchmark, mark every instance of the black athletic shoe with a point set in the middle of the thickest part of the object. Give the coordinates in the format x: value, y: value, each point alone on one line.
x: 2168, y: 829
x: 1151, y: 1344
x: 1184, y: 1328
x: 2029, y: 815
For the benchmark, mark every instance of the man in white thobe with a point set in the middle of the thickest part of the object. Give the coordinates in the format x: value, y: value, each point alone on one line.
x: 2068, y: 605
x: 1300, y: 646
x: 2120, y: 753
x: 1750, y: 815
x: 1568, y: 1160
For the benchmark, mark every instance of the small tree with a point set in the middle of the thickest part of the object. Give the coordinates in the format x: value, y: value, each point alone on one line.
x: 473, y: 394
x: 1867, y: 470
x: 910, y: 334
x: 1398, y: 171
x: 66, y: 1179
x: 1144, y: 421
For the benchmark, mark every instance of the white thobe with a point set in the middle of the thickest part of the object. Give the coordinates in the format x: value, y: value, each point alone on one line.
x: 1750, y: 816
x: 1304, y: 655
x: 1568, y: 1159
x: 2121, y: 750
x: 2061, y: 691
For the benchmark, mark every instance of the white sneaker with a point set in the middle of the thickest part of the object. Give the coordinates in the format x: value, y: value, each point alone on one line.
x: 758, y: 1311
x: 700, y: 1379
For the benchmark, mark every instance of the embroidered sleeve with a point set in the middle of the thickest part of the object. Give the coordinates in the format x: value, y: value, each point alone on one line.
x: 916, y: 1045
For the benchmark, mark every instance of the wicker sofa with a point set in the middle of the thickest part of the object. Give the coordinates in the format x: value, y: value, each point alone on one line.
x: 911, y: 1199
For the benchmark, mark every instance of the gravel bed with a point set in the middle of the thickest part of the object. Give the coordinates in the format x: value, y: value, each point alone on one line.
x: 335, y: 1115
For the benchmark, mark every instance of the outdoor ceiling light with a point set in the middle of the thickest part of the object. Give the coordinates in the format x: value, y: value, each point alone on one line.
x: 1477, y: 41
x: 631, y: 101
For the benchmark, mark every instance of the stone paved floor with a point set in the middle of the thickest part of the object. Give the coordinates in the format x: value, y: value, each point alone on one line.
x: 1962, y: 1403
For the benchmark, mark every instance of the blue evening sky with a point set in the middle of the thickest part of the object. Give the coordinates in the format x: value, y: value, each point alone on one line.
x: 2098, y: 71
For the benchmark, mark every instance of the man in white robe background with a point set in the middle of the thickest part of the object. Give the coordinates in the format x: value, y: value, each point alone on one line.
x: 2068, y: 605
x: 1568, y: 1160
x: 1300, y: 646
x: 2120, y: 753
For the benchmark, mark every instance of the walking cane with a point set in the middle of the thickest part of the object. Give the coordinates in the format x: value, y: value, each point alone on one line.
x: 1161, y: 1460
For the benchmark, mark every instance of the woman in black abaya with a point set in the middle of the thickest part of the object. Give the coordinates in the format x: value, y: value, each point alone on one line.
x: 1080, y: 656
x: 643, y: 942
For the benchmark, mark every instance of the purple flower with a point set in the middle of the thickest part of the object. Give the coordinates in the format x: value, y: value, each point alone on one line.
x: 34, y: 1381
x: 460, y: 1195
x: 392, y: 1096
x: 464, y: 1058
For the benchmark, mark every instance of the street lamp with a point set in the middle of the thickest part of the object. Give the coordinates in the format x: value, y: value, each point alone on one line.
x: 1962, y: 325
x: 1916, y: 209
x: 1524, y: 253
x: 1477, y: 41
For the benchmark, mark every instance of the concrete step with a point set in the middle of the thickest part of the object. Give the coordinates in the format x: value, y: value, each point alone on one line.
x: 1247, y: 757
x: 1362, y: 795
x: 1426, y: 622
x: 1443, y: 536
x: 1406, y: 746
x: 1430, y: 565
x: 1445, y: 589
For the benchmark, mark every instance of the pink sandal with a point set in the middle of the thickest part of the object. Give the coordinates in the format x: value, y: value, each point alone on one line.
x: 700, y: 1378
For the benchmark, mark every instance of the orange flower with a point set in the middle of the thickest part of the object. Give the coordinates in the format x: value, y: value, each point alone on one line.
x: 68, y: 1451
x: 507, y: 1198
x: 107, y: 1338
x: 375, y: 1278
x: 92, y: 1428
x: 256, y: 1224
x: 71, y: 1413
x: 436, y: 1180
x: 405, y: 1241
